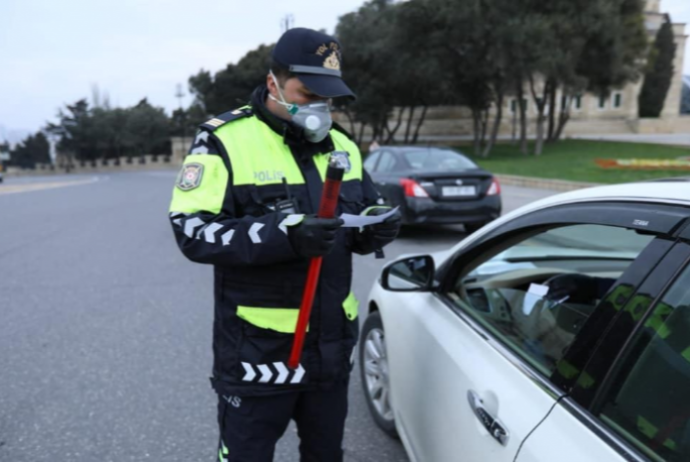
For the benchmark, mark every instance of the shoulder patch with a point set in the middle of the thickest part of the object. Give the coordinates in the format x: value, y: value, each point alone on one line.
x: 190, y: 176
x: 220, y: 120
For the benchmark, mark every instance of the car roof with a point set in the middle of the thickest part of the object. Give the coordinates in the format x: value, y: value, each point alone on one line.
x: 406, y: 147
x: 667, y: 191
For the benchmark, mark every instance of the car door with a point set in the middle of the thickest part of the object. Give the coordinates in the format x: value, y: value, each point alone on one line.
x: 631, y: 401
x: 475, y: 366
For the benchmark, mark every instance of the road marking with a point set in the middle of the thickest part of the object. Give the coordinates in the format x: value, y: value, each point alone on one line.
x: 28, y: 187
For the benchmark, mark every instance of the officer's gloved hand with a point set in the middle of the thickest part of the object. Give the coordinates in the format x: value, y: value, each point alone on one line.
x: 313, y: 236
x: 578, y: 288
x: 384, y: 233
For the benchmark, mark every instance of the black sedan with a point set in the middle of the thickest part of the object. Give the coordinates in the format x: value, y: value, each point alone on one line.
x: 435, y: 185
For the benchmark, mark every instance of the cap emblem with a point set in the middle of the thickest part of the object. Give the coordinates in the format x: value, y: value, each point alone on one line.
x: 332, y: 62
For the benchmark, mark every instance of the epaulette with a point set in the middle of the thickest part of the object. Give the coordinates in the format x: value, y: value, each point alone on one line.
x: 220, y: 120
x: 339, y: 127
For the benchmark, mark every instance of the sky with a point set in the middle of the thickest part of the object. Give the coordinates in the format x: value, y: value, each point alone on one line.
x: 55, y: 52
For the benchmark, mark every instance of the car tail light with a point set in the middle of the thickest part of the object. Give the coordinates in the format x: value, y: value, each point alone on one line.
x: 412, y: 188
x: 494, y: 189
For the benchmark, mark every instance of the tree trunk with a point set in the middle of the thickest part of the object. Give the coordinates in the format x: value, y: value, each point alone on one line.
x: 391, y: 133
x: 523, y: 116
x: 420, y: 122
x: 541, y: 104
x: 409, y: 124
x: 497, y: 122
x: 360, y: 136
x: 513, y: 135
x: 552, y: 110
x: 484, y: 121
x: 476, y: 132
x: 563, y: 117
x: 350, y: 119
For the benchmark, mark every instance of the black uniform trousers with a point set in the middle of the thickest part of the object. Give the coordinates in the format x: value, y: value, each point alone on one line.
x: 251, y: 426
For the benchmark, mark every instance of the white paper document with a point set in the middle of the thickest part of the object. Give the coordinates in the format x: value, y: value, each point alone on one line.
x: 357, y: 221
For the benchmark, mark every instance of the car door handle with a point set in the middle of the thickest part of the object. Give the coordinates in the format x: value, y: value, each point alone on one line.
x: 492, y: 425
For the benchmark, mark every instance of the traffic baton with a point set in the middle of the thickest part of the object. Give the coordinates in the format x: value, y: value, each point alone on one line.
x: 337, y: 165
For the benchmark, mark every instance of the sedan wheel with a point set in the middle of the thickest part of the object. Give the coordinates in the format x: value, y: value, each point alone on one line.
x: 373, y: 361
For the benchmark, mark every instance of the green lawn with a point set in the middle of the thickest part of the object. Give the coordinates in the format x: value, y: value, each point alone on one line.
x: 575, y: 160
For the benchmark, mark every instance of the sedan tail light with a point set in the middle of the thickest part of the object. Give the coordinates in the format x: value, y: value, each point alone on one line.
x: 412, y: 188
x: 494, y: 189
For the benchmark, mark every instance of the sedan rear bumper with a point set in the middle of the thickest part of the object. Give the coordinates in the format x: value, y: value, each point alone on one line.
x: 420, y: 210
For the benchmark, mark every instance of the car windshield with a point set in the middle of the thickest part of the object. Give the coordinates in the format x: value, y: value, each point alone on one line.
x: 437, y: 159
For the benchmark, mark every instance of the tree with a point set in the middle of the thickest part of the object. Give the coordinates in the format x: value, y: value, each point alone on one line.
x: 75, y: 129
x: 659, y: 73
x: 591, y: 45
x: 32, y: 150
x: 147, y: 129
x: 231, y: 87
x: 89, y: 134
x: 367, y: 67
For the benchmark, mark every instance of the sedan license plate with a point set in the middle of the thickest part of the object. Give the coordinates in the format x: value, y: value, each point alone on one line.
x: 450, y: 191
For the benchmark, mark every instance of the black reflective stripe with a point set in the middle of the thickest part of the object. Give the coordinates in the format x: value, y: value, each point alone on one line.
x: 315, y: 70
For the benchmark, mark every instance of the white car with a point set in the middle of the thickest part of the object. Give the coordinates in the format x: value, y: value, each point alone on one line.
x: 560, y: 332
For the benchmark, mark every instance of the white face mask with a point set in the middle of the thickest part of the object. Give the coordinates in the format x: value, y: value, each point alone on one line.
x: 314, y: 118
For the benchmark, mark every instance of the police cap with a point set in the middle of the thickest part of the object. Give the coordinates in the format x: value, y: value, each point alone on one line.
x: 315, y: 59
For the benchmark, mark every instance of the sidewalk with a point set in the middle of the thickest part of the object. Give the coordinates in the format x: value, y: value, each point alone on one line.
x: 676, y: 139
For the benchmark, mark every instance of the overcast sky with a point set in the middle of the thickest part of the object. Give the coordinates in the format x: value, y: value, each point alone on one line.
x: 54, y: 52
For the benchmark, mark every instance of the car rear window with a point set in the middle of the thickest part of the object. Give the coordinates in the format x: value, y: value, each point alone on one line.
x: 437, y: 159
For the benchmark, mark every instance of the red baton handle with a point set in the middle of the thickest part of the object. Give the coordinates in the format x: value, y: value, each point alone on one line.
x: 329, y: 202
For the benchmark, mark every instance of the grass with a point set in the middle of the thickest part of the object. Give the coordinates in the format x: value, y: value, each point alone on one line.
x: 575, y: 160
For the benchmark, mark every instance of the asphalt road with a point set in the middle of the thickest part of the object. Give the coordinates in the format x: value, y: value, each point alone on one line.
x: 105, y: 328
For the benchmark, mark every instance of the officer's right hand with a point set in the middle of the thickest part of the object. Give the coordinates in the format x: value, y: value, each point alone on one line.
x: 313, y: 236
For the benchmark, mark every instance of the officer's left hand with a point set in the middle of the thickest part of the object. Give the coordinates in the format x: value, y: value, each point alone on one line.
x: 387, y: 231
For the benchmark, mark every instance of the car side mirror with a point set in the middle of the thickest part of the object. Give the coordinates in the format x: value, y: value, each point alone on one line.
x: 412, y: 274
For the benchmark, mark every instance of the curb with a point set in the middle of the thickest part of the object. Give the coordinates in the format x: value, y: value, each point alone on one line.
x: 543, y: 183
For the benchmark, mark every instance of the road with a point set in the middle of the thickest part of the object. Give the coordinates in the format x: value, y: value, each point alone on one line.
x: 106, y: 328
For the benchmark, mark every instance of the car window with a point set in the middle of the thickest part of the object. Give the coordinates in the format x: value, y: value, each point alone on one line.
x: 648, y: 402
x: 534, y: 295
x: 370, y: 163
x: 437, y: 159
x: 387, y: 162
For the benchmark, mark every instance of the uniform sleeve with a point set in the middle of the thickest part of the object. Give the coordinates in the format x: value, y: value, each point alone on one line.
x: 203, y: 218
x: 364, y: 242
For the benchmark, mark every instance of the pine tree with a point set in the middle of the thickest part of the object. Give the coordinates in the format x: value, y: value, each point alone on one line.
x: 659, y: 72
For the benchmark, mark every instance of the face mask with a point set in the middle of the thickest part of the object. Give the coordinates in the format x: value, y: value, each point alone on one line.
x: 314, y: 118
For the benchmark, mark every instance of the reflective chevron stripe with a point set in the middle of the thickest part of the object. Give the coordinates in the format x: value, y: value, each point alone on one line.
x: 299, y: 373
x: 266, y: 374
x: 227, y: 237
x: 249, y: 372
x: 290, y: 220
x: 254, y: 232
x: 210, y: 232
x: 191, y: 225
x: 282, y: 372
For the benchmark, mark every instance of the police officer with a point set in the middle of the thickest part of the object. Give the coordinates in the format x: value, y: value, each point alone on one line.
x: 245, y: 201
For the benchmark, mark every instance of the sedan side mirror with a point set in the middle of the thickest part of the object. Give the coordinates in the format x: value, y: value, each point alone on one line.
x: 412, y: 274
